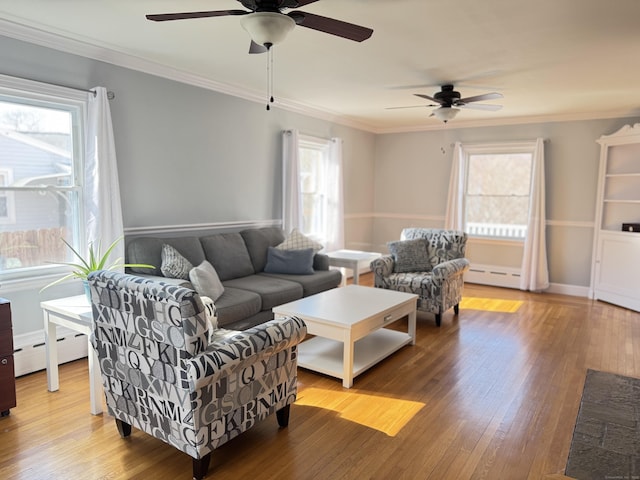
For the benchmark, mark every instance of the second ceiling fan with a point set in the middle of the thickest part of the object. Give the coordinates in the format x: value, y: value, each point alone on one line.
x: 449, y: 101
x: 268, y: 25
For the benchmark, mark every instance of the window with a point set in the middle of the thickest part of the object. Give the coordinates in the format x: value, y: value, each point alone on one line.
x: 40, y: 176
x: 314, y: 158
x: 497, y: 190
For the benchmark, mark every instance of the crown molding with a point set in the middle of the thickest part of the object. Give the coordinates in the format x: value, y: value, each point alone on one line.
x: 83, y: 47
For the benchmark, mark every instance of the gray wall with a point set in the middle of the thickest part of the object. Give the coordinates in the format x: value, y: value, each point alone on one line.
x: 412, y: 179
x: 187, y: 155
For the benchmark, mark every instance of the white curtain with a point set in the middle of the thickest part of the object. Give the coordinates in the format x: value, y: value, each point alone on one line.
x: 454, y: 217
x: 291, y: 199
x: 102, y: 208
x: 334, y: 227
x: 534, y: 275
x: 292, y: 213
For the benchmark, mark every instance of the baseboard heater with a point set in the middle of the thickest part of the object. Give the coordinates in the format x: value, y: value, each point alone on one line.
x: 493, y: 275
x: 29, y: 352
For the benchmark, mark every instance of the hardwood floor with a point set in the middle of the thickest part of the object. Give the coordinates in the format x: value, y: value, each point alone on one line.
x: 492, y: 394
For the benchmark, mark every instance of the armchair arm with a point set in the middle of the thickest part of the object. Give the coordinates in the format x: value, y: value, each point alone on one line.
x: 230, y: 352
x: 382, y: 266
x: 450, y: 268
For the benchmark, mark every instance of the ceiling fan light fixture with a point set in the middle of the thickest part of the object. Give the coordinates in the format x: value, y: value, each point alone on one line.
x: 444, y: 114
x: 267, y: 28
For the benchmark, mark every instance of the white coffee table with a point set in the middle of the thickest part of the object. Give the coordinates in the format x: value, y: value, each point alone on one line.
x: 353, y: 260
x: 348, y: 324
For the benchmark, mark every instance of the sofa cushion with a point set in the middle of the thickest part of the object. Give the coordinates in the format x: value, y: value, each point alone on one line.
x: 410, y: 255
x: 173, y: 264
x: 258, y: 240
x: 205, y: 281
x: 272, y: 291
x: 149, y: 250
x: 236, y: 304
x: 320, y: 281
x: 295, y: 262
x: 228, y: 254
x: 298, y: 241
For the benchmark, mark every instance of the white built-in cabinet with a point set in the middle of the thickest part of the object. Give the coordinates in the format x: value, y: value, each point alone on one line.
x: 616, y: 261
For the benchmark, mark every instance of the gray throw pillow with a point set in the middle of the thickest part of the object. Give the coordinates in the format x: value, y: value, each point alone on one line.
x: 205, y: 281
x: 410, y: 255
x: 174, y: 265
x: 294, y: 262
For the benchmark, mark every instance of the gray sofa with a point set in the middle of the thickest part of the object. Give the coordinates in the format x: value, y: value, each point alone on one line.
x: 239, y: 259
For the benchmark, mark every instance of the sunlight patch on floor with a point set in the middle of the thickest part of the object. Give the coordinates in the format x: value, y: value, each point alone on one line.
x: 387, y: 415
x: 491, y: 304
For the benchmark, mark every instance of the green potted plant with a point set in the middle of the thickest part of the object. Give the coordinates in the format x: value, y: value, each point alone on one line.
x: 94, y: 261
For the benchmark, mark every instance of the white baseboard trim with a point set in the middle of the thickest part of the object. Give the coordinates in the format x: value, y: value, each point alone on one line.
x: 29, y: 352
x: 564, y: 289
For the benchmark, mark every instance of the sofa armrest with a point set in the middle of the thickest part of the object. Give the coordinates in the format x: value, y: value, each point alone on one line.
x: 232, y: 351
x: 320, y: 261
x: 450, y: 268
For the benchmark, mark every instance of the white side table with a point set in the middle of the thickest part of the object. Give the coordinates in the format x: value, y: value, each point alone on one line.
x: 352, y: 259
x: 75, y: 314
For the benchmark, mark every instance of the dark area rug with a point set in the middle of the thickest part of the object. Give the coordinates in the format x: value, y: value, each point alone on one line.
x: 606, y: 438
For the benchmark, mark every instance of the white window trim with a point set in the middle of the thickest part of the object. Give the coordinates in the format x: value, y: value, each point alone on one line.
x: 77, y: 103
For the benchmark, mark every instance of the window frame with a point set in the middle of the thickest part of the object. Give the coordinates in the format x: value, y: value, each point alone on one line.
x: 75, y: 102
x: 504, y: 148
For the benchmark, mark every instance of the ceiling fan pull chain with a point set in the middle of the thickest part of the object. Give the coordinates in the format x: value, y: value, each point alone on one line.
x: 271, y: 76
x: 268, y: 78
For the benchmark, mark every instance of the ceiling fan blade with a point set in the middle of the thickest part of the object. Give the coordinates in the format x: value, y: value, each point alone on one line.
x: 411, y: 106
x: 438, y: 101
x: 302, y: 3
x: 163, y: 17
x: 479, y: 98
x: 331, y: 26
x: 480, y: 106
x: 257, y: 48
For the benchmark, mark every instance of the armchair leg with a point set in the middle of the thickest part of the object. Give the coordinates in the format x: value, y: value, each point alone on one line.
x: 283, y: 416
x: 201, y: 466
x: 438, y: 319
x: 124, y: 429
x: 456, y: 308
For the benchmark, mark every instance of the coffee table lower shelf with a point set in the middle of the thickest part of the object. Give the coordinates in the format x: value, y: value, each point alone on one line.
x: 326, y: 356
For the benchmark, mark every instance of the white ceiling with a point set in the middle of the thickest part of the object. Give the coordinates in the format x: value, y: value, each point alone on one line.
x: 551, y: 59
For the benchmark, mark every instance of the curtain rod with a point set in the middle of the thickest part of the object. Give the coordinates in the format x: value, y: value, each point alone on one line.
x: 110, y: 95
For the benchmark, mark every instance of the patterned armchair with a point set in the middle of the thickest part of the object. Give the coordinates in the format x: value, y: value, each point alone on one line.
x: 169, y: 371
x: 429, y: 263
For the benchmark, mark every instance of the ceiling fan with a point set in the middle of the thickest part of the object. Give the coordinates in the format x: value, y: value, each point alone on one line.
x: 449, y: 102
x: 268, y: 25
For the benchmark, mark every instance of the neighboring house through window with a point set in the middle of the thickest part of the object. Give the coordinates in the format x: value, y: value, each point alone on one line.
x: 40, y: 177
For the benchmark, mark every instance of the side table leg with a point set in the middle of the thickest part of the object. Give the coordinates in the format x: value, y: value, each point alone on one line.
x: 51, y: 348
x: 95, y: 381
x: 356, y: 274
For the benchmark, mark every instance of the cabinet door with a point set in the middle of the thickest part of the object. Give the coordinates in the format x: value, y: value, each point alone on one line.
x: 618, y: 269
